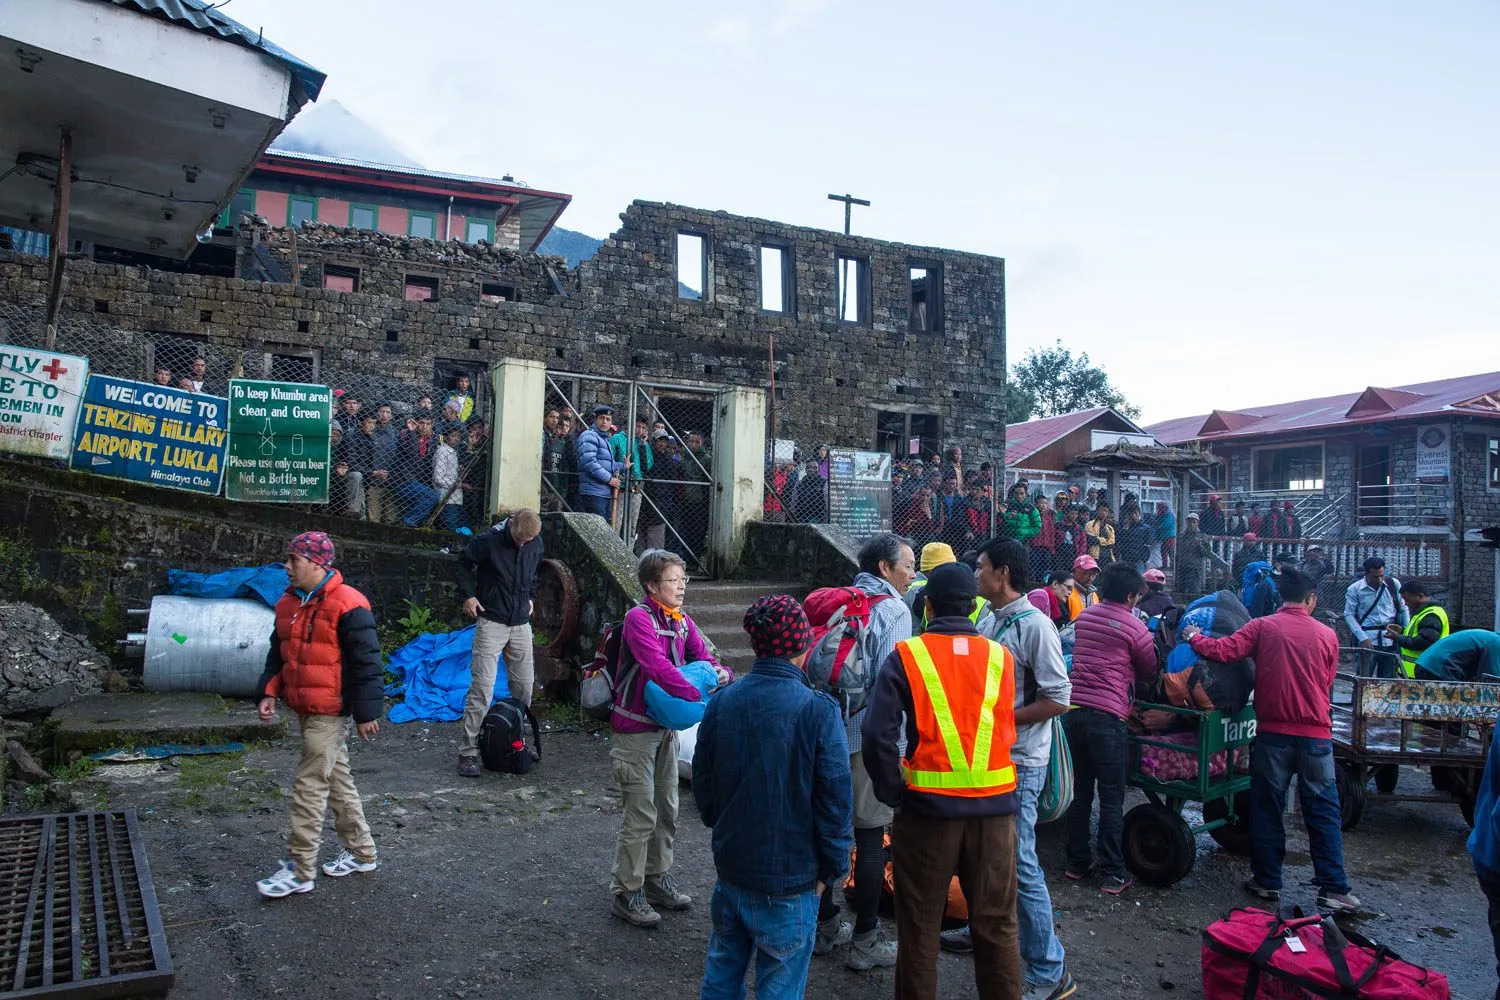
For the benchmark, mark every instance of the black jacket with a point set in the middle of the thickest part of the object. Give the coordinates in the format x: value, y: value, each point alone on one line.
x: 890, y: 697
x: 500, y: 574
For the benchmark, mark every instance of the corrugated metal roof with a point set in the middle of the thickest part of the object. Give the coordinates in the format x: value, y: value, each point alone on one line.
x: 391, y: 168
x: 1426, y: 399
x: 199, y: 16
x: 1024, y: 440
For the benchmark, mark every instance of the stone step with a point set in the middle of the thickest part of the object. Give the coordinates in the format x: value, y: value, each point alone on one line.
x: 737, y: 591
x: 106, y: 721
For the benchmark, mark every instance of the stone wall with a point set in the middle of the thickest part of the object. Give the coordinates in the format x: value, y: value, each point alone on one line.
x: 620, y: 315
x: 1481, y: 509
x: 100, y: 546
x: 819, y: 555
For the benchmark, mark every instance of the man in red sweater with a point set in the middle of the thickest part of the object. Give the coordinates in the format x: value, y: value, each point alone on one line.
x: 1296, y: 658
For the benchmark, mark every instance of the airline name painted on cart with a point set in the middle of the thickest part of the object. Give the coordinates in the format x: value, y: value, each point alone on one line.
x: 1430, y: 700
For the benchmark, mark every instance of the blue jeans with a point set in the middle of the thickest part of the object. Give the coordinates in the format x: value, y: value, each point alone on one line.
x: 1101, y: 755
x: 777, y: 930
x: 416, y: 501
x: 1041, y: 951
x: 1274, y: 759
x: 588, y: 503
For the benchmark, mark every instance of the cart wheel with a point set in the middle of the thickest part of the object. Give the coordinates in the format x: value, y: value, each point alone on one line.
x: 1233, y: 837
x: 1386, y: 777
x: 1159, y: 848
x: 1351, y: 782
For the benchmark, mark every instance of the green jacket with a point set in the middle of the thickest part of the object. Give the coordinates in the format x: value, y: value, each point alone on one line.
x: 1021, y: 524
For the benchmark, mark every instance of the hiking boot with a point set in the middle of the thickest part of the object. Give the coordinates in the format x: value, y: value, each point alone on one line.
x: 1060, y: 990
x: 1337, y: 902
x: 870, y: 949
x: 958, y: 941
x: 347, y: 864
x: 1259, y: 891
x: 832, y: 933
x: 1115, y: 884
x: 662, y: 890
x: 468, y: 767
x: 284, y: 883
x: 632, y: 906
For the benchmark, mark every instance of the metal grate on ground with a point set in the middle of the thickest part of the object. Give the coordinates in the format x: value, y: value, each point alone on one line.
x: 78, y: 913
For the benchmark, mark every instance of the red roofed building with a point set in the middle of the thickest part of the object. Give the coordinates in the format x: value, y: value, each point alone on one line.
x: 1412, y: 467
x: 1045, y: 453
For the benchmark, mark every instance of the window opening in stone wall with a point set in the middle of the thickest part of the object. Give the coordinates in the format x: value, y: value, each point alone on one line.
x: 300, y: 209
x: 901, y: 434
x: 776, y: 279
x: 170, y: 357
x: 1299, y: 467
x: 479, y: 229
x: 422, y: 225
x: 926, y: 297
x: 459, y: 387
x: 340, y: 279
x: 288, y: 363
x: 363, y: 216
x: 1494, y: 464
x: 420, y: 288
x: 853, y: 289
x: 243, y: 203
x: 490, y: 292
x: 692, y: 265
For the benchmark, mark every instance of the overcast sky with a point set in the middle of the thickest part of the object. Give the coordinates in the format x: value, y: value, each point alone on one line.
x: 1224, y: 204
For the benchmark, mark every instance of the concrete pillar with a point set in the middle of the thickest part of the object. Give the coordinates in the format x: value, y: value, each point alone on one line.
x: 520, y: 389
x: 739, y: 473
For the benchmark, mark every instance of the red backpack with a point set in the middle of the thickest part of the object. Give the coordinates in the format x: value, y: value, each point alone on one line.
x: 839, y: 662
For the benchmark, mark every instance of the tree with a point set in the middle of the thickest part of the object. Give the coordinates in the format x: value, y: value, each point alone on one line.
x: 1052, y: 381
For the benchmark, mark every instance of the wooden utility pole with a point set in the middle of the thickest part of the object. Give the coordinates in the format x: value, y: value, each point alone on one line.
x: 849, y: 202
x: 59, y: 256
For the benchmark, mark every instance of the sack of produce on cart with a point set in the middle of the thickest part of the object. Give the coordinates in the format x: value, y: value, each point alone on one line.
x: 1254, y: 954
x: 1192, y: 682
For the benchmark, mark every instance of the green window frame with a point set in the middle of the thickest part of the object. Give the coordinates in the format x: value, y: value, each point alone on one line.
x: 224, y: 220
x: 374, y: 211
x: 311, y: 204
x: 431, y: 218
x: 489, y: 230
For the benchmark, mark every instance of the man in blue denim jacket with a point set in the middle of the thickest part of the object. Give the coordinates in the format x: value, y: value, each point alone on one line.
x: 771, y: 777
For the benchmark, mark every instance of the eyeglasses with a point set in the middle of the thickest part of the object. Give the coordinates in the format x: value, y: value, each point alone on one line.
x: 684, y: 580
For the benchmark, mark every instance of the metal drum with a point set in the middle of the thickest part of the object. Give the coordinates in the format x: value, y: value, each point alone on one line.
x: 199, y: 644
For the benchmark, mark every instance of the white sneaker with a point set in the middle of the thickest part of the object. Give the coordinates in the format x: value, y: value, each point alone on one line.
x: 284, y: 883
x: 346, y: 864
x: 832, y: 933
x: 871, y: 949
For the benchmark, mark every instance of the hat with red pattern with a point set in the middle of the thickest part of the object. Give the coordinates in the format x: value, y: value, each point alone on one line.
x: 778, y: 627
x: 314, y: 546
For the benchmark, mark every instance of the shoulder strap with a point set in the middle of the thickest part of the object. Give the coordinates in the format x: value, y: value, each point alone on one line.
x: 536, y: 732
x: 1375, y: 602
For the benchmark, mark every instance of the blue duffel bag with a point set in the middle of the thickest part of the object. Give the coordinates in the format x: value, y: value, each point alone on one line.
x: 675, y: 713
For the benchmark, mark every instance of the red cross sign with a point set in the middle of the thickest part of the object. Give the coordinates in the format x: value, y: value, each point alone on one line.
x: 54, y: 369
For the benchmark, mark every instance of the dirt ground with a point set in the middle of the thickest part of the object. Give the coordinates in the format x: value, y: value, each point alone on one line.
x: 499, y: 887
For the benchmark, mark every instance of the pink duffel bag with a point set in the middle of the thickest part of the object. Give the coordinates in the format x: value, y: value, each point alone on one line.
x: 1249, y: 955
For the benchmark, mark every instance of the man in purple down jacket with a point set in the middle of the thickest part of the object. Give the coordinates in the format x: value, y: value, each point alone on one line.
x: 1112, y: 652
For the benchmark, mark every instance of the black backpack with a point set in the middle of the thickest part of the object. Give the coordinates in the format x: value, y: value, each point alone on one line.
x: 502, y: 738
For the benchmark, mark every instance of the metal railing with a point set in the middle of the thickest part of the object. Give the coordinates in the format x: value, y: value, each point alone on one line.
x: 1403, y: 505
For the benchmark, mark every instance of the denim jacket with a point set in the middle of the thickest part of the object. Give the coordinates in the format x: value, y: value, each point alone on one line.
x: 771, y: 776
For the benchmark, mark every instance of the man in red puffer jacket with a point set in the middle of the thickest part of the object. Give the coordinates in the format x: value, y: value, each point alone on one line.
x: 325, y: 664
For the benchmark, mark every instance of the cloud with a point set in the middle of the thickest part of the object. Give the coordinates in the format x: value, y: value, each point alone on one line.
x: 778, y: 17
x: 730, y: 29
x: 793, y: 14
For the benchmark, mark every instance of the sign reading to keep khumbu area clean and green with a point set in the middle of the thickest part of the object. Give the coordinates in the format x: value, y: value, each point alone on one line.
x: 278, y: 441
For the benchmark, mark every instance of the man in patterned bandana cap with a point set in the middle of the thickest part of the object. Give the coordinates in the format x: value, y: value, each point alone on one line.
x: 771, y: 750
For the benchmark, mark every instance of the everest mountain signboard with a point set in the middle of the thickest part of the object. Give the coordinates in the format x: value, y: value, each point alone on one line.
x: 279, y: 441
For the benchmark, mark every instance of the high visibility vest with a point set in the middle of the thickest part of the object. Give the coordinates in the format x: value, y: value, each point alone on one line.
x: 1409, y: 656
x: 1076, y: 602
x: 963, y: 692
x: 917, y: 602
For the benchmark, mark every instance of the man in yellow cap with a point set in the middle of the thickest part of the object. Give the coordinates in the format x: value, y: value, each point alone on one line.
x: 935, y: 554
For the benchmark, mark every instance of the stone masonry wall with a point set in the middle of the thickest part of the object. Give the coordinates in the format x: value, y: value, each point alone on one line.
x: 620, y: 316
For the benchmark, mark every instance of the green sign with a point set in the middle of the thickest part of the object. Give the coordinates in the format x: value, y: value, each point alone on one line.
x: 278, y: 441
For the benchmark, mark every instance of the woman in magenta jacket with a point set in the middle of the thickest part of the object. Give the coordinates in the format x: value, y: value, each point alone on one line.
x: 1112, y: 652
x: 659, y: 638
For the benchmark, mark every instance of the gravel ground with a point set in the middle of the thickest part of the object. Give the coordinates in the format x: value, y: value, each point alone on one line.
x: 499, y: 887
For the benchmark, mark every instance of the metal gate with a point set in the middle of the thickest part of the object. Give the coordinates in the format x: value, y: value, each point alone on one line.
x: 666, y: 436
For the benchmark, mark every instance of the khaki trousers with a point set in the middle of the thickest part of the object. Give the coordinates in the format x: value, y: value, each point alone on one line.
x: 323, y: 780
x: 645, y: 768
x: 380, y: 506
x: 925, y: 855
x: 490, y: 640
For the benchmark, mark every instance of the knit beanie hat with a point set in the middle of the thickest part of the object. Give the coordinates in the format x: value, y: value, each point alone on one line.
x: 314, y: 546
x: 778, y: 627
x: 935, y: 554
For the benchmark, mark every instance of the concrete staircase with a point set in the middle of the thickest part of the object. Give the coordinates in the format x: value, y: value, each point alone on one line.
x: 718, y: 608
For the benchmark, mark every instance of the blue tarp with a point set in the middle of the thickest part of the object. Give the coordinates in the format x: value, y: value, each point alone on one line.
x: 265, y: 583
x: 433, y: 672
x: 675, y: 713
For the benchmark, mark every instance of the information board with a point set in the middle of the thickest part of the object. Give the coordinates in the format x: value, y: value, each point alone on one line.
x: 39, y: 396
x: 151, y: 434
x: 859, y: 491
x: 278, y: 441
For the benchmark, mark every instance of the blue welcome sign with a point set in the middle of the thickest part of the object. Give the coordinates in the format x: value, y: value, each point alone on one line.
x: 151, y: 434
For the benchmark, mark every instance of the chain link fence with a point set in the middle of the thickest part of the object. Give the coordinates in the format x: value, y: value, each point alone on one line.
x: 413, y: 454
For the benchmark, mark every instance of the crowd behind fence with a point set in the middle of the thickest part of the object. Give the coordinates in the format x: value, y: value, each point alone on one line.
x: 399, y: 453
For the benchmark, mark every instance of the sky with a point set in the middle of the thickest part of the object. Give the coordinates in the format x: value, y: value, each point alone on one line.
x: 1223, y: 204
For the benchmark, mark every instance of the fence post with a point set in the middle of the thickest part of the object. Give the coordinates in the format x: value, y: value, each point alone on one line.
x: 738, y: 472
x: 520, y: 389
